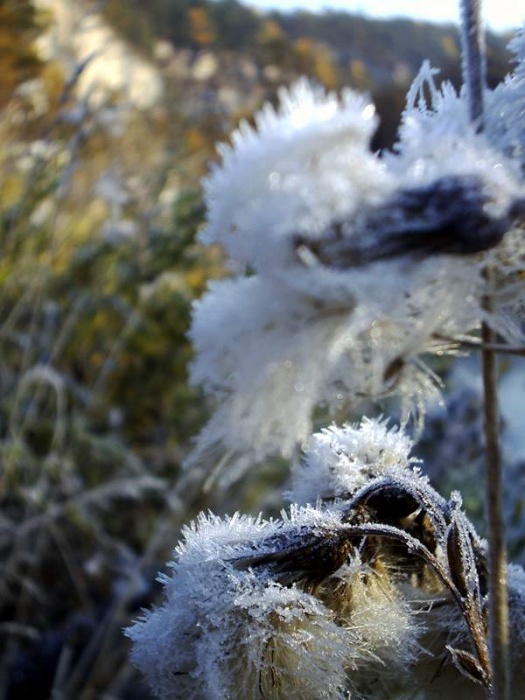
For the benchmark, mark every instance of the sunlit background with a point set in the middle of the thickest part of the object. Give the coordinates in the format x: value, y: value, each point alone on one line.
x: 110, y: 113
x: 498, y: 15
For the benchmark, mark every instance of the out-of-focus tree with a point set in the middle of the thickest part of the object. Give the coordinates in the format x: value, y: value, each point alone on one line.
x: 316, y: 61
x: 19, y: 27
x: 132, y: 20
x: 236, y: 24
x: 358, y: 75
x: 270, y: 38
x: 202, y: 30
x: 304, y: 48
x: 451, y: 46
x: 272, y: 45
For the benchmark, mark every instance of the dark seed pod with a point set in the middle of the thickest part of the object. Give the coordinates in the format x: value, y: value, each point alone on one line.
x: 308, y: 559
x: 449, y: 216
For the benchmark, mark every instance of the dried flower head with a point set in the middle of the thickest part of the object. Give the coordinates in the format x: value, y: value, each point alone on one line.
x: 349, y: 267
x: 226, y: 631
x: 437, y: 133
x: 304, y: 163
x: 361, y: 598
x: 277, y: 610
x: 340, y: 460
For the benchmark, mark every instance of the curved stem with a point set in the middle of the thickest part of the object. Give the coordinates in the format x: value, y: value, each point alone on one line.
x: 418, y: 549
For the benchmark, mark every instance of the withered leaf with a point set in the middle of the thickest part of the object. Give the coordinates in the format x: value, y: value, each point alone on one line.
x: 462, y: 562
x: 455, y: 557
x: 469, y: 666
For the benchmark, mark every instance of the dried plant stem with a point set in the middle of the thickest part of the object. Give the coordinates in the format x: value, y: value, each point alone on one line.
x: 474, y: 78
x: 473, y: 55
x: 496, y: 348
x: 477, y: 344
x: 498, y: 601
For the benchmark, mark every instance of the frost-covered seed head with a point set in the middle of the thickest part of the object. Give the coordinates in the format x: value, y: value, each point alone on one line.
x: 358, y: 264
x: 365, y: 600
x: 241, y: 618
x: 340, y: 460
x: 287, y: 646
x: 304, y: 163
x: 226, y: 632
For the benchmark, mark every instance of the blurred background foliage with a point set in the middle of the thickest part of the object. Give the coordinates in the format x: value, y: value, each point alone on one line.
x: 334, y: 47
x: 19, y: 60
x: 100, y: 204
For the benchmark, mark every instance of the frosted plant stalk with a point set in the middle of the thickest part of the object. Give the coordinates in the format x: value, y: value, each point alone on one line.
x: 473, y: 78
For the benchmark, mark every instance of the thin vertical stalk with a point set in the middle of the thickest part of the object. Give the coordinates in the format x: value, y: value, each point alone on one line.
x: 474, y: 79
x: 498, y: 599
x: 473, y: 58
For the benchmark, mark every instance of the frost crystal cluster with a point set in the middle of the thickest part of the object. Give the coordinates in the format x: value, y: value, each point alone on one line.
x: 507, y: 106
x: 342, y: 459
x: 348, y: 267
x: 363, y: 595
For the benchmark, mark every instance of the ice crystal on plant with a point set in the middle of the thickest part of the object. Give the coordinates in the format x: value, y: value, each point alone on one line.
x: 350, y: 267
x: 229, y: 632
x: 361, y: 596
x: 303, y: 164
x: 324, y: 601
x: 243, y: 618
x: 386, y: 628
x: 271, y: 351
x: 437, y: 135
x: 507, y: 106
x: 340, y: 460
x: 287, y: 646
x: 168, y: 641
